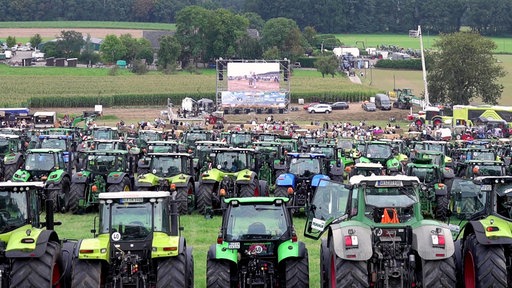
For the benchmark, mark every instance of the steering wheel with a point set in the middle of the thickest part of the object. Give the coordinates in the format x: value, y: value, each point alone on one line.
x: 5, y: 215
x: 142, y: 229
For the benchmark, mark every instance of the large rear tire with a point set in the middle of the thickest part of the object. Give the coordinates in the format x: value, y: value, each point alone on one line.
x: 344, y: 273
x: 484, y: 265
x: 86, y: 274
x: 124, y: 185
x: 218, y: 274
x: 281, y: 191
x: 438, y: 273
x: 171, y: 272
x: 182, y: 196
x: 190, y: 268
x: 297, y: 272
x: 76, y: 193
x: 324, y: 264
x: 10, y: 169
x: 204, y: 197
x: 250, y: 190
x: 443, y: 208
x: 45, y: 271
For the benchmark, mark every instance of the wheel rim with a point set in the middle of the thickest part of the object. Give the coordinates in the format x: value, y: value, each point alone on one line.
x: 257, y: 190
x: 332, y: 272
x: 56, y: 276
x: 469, y: 270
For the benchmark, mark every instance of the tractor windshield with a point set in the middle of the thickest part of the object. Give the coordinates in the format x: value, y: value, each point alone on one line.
x: 256, y: 221
x: 230, y: 161
x: 329, y: 152
x: 241, y: 139
x: 504, y: 199
x: 104, y: 163
x: 4, y: 146
x: 378, y: 151
x: 39, y: 162
x: 165, y: 166
x: 53, y: 143
x: 390, y: 196
x: 13, y: 210
x: 305, y: 166
x: 468, y: 199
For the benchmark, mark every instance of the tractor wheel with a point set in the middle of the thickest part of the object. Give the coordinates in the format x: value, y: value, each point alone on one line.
x: 297, y: 272
x: 124, y: 185
x: 484, y: 265
x: 442, y: 208
x: 61, y: 203
x: 76, y: 192
x: 86, y: 274
x: 218, y: 274
x: 68, y: 256
x: 182, y: 196
x: 45, y: 271
x: 204, y: 197
x: 324, y: 264
x: 190, y: 268
x: 264, y: 189
x: 250, y: 190
x: 438, y: 273
x: 344, y: 273
x: 9, y: 171
x: 171, y: 272
x: 281, y: 191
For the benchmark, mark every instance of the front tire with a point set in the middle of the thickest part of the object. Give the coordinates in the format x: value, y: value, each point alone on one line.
x: 182, y: 196
x: 297, y: 272
x: 86, y: 274
x: 484, y: 266
x: 442, y: 209
x: 438, y: 273
x: 217, y: 274
x: 45, y: 271
x: 171, y: 272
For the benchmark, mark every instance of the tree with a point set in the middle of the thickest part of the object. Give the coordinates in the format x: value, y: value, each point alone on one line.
x: 88, y: 55
x: 112, y: 49
x: 35, y: 40
x: 191, y: 29
x: 463, y: 69
x: 284, y: 34
x: 327, y: 65
x: 70, y: 43
x: 170, y: 50
x: 10, y: 41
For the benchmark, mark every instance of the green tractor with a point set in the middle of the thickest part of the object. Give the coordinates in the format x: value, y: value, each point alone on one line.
x: 11, y: 155
x: 436, y: 184
x: 170, y: 172
x: 30, y: 255
x: 403, y: 97
x: 382, y: 152
x: 481, y: 221
x: 377, y: 236
x: 48, y: 165
x: 104, y: 171
x: 268, y: 153
x: 138, y: 244
x: 232, y: 175
x: 257, y: 247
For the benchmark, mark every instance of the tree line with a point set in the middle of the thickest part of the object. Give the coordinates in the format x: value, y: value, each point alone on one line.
x: 487, y: 17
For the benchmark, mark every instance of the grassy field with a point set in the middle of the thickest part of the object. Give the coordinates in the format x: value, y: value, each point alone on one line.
x: 199, y: 232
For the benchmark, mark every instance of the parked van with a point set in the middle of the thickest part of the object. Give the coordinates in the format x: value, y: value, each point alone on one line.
x: 382, y: 102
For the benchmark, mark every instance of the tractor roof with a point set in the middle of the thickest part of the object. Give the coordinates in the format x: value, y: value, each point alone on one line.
x: 21, y: 185
x: 306, y: 155
x: 177, y: 155
x: 384, y: 180
x: 134, y: 195
x: 44, y: 150
x: 256, y: 200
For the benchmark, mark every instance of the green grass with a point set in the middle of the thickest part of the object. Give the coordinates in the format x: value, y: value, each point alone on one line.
x: 89, y: 24
x: 199, y: 232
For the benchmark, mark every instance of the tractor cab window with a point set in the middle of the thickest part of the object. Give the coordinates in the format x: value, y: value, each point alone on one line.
x: 166, y: 166
x: 378, y: 151
x: 13, y: 210
x: 231, y: 161
x: 52, y: 143
x: 305, y: 166
x: 103, y: 163
x: 504, y: 199
x: 132, y: 221
x: 389, y: 202
x: 4, y: 146
x: 247, y: 222
x: 39, y: 162
x: 468, y: 199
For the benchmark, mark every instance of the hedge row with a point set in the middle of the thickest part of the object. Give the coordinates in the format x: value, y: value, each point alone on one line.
x: 161, y: 99
x: 412, y: 64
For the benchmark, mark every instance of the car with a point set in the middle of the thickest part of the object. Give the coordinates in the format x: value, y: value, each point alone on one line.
x: 320, y: 108
x: 339, y: 106
x: 369, y: 106
x: 310, y: 105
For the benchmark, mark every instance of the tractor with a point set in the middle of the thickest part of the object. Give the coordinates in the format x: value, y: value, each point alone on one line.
x: 138, y: 244
x: 232, y: 175
x: 170, y: 172
x: 257, y: 246
x: 104, y: 171
x: 268, y: 153
x: 11, y: 155
x: 48, y: 166
x: 377, y: 236
x: 303, y: 173
x: 382, y: 152
x: 403, y: 98
x: 482, y: 220
x: 30, y: 255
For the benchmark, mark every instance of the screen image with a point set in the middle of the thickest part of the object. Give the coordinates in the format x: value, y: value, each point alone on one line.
x: 253, y: 77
